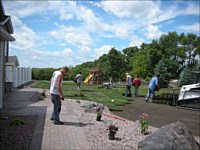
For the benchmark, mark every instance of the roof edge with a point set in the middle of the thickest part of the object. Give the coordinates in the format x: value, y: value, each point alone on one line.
x: 5, y: 36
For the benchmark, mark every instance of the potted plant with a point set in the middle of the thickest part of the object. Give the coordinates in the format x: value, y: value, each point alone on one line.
x: 144, y: 123
x: 99, y: 111
x: 112, y: 131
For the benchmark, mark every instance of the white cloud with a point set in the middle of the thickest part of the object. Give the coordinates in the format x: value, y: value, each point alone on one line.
x: 66, y: 9
x: 62, y: 44
x: 102, y: 50
x: 92, y: 22
x: 56, y: 58
x: 16, y: 22
x: 84, y: 50
x: 150, y: 12
x: 191, y: 9
x: 25, y: 38
x: 137, y: 9
x: 23, y: 9
x: 152, y: 32
x: 72, y: 35
x: 190, y: 28
x: 136, y: 41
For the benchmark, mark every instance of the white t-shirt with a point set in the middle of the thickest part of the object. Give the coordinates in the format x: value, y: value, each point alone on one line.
x: 79, y: 78
x: 54, y: 84
x: 129, y: 80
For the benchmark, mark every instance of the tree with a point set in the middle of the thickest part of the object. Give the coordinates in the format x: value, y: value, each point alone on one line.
x: 164, y: 75
x: 103, y: 64
x: 153, y: 58
x: 128, y: 54
x: 184, y: 77
x: 116, y: 64
x: 140, y: 65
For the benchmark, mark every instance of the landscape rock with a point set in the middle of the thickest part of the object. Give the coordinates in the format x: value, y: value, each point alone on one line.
x: 174, y: 136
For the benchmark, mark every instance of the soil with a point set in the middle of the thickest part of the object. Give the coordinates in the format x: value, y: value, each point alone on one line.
x: 17, y: 136
x: 160, y: 114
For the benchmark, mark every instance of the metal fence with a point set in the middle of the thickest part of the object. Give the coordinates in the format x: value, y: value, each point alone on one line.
x: 18, y: 76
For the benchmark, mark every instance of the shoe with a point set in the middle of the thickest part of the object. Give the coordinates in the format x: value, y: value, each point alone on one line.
x: 51, y: 119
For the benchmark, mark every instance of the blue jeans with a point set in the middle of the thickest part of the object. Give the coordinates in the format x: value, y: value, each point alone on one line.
x: 128, y: 90
x: 150, y: 91
x: 78, y: 86
x: 136, y: 90
x: 56, y: 108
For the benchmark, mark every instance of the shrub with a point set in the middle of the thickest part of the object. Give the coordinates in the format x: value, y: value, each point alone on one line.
x: 17, y: 121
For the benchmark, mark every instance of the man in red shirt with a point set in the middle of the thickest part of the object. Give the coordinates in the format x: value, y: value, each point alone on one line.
x: 136, y: 84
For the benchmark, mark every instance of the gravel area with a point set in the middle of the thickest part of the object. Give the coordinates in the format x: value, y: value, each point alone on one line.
x: 127, y: 137
x: 17, y: 137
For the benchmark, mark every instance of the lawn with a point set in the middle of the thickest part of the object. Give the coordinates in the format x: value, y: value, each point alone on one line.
x: 97, y: 93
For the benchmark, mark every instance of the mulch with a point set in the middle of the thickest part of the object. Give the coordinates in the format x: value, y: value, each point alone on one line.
x: 17, y: 136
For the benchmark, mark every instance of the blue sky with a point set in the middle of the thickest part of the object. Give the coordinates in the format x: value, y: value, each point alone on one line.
x: 67, y: 33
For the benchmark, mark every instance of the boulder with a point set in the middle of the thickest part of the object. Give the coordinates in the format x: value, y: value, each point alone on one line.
x: 174, y: 136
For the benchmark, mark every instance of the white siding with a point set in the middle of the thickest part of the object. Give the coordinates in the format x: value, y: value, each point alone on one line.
x: 2, y: 47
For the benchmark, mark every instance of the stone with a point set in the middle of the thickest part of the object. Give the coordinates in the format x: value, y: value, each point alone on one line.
x: 88, y: 105
x: 174, y: 136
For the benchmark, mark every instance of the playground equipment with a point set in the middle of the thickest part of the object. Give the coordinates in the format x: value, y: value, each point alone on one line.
x: 94, y: 77
x: 88, y: 78
x: 189, y: 97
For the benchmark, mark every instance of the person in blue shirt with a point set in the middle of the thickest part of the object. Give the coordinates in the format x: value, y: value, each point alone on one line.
x: 153, y: 85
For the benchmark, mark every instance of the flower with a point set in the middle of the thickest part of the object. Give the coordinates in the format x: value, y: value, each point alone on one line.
x: 99, y: 109
x: 144, y: 123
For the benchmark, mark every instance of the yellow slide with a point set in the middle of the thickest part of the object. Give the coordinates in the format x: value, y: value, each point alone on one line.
x: 88, y: 78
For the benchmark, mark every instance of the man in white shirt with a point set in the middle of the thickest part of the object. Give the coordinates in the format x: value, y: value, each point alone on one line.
x: 128, y: 85
x: 57, y: 93
x: 78, y: 79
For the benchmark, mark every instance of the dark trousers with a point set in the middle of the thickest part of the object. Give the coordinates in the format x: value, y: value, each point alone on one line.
x: 56, y: 108
x: 128, y: 91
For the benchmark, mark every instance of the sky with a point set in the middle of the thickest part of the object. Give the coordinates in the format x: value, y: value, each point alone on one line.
x: 68, y: 33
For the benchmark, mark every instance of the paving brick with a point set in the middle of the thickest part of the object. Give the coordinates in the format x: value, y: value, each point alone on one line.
x: 47, y: 135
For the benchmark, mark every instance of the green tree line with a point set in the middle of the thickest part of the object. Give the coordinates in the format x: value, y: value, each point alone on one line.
x: 169, y: 55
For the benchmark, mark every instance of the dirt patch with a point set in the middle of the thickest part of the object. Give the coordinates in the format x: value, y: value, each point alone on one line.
x: 160, y: 114
x: 17, y: 136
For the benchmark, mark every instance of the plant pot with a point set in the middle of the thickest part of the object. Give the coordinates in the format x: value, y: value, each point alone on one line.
x: 111, y: 135
x: 98, y: 118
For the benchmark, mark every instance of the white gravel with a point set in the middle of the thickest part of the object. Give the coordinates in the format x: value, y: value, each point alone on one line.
x: 127, y: 137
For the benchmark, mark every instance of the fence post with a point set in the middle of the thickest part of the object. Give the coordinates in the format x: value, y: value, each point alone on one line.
x: 9, y: 74
x: 15, y: 77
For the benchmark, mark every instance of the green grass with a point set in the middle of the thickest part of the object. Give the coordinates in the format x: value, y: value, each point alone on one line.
x: 98, y: 94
